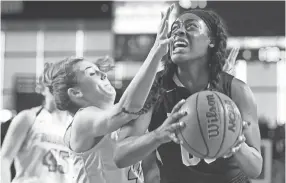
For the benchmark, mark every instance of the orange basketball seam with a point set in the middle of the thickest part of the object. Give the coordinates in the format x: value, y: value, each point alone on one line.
x: 224, y: 130
x: 199, y: 122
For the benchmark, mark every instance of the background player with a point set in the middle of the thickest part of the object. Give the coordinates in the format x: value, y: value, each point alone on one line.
x: 35, y: 142
x: 82, y: 88
x: 197, y: 56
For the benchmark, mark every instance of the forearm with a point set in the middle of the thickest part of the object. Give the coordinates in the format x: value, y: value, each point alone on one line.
x: 116, y: 122
x: 133, y: 149
x: 137, y: 91
x: 249, y: 160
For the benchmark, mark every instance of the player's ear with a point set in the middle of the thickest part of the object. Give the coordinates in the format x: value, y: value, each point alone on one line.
x: 74, y: 93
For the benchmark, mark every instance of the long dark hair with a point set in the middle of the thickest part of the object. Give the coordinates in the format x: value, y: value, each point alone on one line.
x: 215, y: 63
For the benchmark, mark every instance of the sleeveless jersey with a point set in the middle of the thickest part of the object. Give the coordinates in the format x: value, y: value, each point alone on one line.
x: 43, y: 157
x: 178, y: 166
x: 97, y: 166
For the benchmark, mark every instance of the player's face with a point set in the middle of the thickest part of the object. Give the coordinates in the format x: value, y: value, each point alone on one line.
x: 191, y: 38
x: 93, y: 83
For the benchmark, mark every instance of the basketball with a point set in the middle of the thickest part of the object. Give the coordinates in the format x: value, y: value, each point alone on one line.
x: 213, y: 124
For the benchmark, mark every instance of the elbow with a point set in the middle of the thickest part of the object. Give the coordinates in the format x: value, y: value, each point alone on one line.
x: 119, y: 159
x: 133, y: 108
x: 119, y: 162
x: 254, y: 174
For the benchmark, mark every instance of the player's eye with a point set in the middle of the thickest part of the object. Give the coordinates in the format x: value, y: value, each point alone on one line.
x: 191, y: 26
x: 175, y: 27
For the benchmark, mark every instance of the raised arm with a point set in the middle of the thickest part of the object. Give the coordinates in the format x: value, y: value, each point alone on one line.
x: 134, y: 96
x: 136, y: 93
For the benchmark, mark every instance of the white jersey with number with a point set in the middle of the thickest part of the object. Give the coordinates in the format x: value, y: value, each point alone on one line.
x: 97, y: 165
x: 43, y: 157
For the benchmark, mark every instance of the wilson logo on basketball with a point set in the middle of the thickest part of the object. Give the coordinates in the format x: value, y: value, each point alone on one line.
x: 213, y: 121
x: 231, y: 115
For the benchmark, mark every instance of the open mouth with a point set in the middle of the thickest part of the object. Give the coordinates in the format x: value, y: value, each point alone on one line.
x: 180, y: 43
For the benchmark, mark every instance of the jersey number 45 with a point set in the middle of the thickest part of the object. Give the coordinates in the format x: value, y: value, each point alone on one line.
x: 56, y: 161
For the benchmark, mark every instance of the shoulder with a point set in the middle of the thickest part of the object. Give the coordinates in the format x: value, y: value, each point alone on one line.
x: 243, y: 97
x: 84, y: 119
x: 240, y: 88
x: 24, y: 119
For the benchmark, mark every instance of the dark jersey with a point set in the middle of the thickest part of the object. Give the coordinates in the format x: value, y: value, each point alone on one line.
x: 173, y: 170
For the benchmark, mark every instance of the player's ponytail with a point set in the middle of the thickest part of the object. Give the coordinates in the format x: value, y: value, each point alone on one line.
x: 61, y: 76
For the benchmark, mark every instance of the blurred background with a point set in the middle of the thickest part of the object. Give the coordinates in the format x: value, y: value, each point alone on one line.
x: 35, y: 32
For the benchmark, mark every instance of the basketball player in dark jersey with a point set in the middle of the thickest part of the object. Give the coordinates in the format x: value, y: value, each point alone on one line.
x: 196, y: 59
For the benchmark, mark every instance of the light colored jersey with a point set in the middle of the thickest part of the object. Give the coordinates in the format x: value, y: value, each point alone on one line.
x: 97, y: 166
x: 43, y: 157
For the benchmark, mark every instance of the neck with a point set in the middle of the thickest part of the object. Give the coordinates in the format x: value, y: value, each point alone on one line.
x: 106, y: 105
x: 103, y: 104
x: 194, y: 74
x: 50, y: 106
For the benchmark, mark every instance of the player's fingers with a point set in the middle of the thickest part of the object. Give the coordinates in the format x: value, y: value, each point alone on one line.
x: 236, y: 51
x: 230, y: 54
x: 174, y: 138
x: 164, y: 33
x: 227, y: 155
x: 175, y: 126
x: 235, y: 149
x: 241, y: 139
x: 166, y: 41
x: 178, y: 106
x: 174, y: 117
x: 245, y: 125
x: 166, y: 17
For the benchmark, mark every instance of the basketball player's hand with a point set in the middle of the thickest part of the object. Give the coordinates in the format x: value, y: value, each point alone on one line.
x: 166, y: 132
x: 229, y: 65
x: 162, y: 41
x: 241, y: 139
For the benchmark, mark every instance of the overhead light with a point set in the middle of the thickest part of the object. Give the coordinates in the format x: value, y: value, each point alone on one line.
x: 246, y: 54
x: 186, y: 4
x: 5, y: 115
x: 273, y: 54
x: 202, y: 4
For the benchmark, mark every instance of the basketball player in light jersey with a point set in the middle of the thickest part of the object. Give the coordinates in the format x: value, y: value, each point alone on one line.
x: 82, y: 88
x: 35, y: 142
x: 195, y: 62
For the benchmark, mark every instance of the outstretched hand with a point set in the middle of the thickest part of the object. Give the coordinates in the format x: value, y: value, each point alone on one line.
x: 162, y: 41
x: 229, y: 65
x: 167, y: 131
